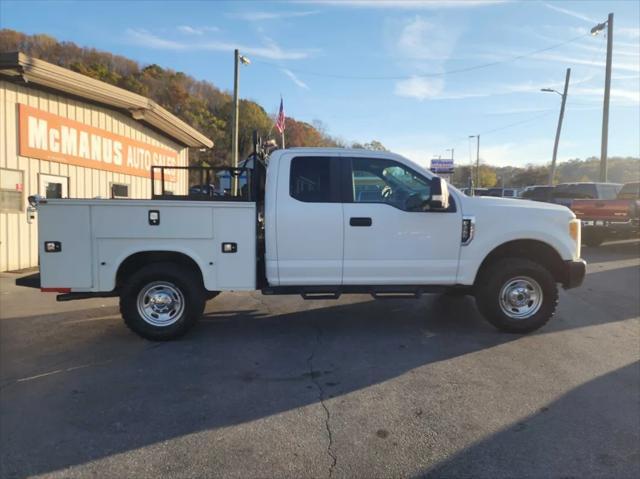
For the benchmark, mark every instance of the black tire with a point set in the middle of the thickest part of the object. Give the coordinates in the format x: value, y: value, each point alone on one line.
x: 177, y: 279
x: 593, y: 239
x: 504, y: 272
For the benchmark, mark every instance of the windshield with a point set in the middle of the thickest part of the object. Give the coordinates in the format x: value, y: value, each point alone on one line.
x: 630, y: 191
x: 586, y: 191
x: 536, y: 192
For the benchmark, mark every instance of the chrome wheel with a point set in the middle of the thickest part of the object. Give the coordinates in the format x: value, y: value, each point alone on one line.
x: 521, y: 297
x: 160, y: 303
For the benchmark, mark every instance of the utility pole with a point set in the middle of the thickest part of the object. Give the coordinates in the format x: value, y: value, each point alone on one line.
x: 605, y: 107
x: 552, y: 171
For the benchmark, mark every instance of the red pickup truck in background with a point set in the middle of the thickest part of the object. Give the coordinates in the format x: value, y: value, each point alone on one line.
x: 604, y: 220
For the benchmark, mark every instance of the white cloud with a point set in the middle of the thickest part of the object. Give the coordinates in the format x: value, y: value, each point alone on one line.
x: 534, y: 151
x: 295, y: 79
x: 424, y: 45
x: 145, y: 38
x: 408, y: 4
x: 261, y: 16
x: 419, y: 88
x: 622, y: 94
x: 571, y: 13
x: 426, y: 40
x: 189, y: 30
x: 270, y: 50
x: 628, y: 32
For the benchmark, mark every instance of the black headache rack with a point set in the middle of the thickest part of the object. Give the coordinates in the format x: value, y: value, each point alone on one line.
x: 205, y: 183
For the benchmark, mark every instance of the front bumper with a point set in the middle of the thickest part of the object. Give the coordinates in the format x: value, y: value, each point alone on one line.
x: 574, y: 272
x: 631, y: 224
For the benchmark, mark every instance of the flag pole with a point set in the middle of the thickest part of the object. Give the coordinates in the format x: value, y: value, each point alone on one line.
x: 283, y: 139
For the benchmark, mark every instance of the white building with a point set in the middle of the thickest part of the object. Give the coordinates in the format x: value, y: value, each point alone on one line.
x: 63, y: 134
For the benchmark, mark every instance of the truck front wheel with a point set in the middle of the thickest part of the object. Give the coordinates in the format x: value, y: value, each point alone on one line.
x: 516, y: 295
x: 162, y: 301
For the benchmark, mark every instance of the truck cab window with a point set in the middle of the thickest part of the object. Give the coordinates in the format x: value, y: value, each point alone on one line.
x: 386, y: 181
x: 310, y: 179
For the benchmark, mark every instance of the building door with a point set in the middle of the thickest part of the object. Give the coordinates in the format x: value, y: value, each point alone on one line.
x: 54, y: 186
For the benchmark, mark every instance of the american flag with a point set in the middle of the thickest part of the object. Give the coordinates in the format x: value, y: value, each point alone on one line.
x: 280, y: 120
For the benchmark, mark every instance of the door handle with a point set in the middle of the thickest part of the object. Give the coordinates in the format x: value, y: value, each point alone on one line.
x: 360, y: 221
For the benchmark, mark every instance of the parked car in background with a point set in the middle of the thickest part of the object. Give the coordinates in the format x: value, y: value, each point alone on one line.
x: 538, y: 193
x: 502, y: 192
x: 608, y: 219
x: 565, y: 193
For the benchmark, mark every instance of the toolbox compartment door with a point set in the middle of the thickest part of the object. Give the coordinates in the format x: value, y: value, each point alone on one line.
x: 70, y: 226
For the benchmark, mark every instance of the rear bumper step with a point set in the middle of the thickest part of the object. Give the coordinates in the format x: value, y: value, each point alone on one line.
x: 74, y: 296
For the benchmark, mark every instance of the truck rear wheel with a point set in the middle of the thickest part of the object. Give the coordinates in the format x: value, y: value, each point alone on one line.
x: 516, y: 295
x: 162, y: 301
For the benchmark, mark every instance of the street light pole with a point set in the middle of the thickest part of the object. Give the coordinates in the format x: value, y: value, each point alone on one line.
x: 451, y: 150
x: 607, y: 91
x: 236, y: 81
x: 477, y: 162
x: 552, y: 170
x: 237, y: 59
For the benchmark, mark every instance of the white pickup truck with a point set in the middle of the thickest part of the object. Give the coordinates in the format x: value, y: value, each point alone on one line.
x: 318, y: 222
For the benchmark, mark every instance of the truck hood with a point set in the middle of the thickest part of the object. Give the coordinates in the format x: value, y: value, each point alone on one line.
x: 482, y: 202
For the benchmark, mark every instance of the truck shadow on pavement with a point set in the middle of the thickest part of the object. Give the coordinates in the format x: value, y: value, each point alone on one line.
x: 593, y: 428
x: 75, y: 392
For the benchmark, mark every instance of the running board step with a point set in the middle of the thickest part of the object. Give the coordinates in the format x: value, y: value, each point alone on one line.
x: 321, y: 295
x: 407, y: 295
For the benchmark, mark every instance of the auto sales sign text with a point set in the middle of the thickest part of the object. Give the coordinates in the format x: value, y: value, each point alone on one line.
x: 51, y: 137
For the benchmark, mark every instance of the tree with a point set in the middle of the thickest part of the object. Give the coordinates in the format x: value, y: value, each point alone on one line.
x: 373, y: 145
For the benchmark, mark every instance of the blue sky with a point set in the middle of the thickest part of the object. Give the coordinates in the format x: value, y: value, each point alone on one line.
x: 383, y: 70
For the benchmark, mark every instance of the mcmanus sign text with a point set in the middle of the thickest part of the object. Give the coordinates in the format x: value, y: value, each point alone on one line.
x: 51, y: 137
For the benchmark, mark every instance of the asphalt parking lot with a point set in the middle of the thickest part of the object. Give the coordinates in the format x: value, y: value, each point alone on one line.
x: 282, y: 387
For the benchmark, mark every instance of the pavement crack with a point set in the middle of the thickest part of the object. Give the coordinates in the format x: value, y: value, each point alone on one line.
x: 314, y: 375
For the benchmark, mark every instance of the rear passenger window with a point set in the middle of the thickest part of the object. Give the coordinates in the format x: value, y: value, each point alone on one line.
x: 310, y: 179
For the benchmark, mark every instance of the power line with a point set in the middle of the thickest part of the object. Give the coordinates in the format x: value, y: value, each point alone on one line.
x: 460, y: 140
x: 424, y: 75
x: 516, y: 123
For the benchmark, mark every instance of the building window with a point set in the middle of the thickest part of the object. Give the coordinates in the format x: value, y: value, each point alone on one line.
x: 119, y: 190
x: 54, y: 186
x: 11, y: 190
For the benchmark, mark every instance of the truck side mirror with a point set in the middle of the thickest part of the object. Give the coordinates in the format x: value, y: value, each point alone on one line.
x: 439, y: 194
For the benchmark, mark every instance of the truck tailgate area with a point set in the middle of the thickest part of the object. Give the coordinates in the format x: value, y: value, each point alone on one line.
x: 82, y: 243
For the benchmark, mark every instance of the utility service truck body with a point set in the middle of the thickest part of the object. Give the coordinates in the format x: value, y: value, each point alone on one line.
x: 315, y: 222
